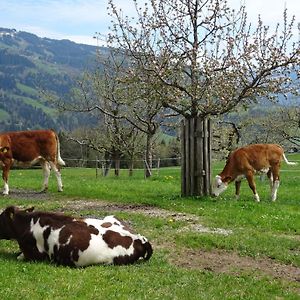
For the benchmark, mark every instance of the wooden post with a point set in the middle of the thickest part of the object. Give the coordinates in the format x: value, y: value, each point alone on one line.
x: 199, y: 156
x: 196, y: 157
x: 183, y: 161
x: 192, y: 156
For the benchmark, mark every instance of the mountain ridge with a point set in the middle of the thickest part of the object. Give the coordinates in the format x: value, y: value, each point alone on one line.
x: 30, y: 64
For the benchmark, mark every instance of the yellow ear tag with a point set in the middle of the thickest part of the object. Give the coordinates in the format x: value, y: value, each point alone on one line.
x: 11, y: 215
x: 4, y: 150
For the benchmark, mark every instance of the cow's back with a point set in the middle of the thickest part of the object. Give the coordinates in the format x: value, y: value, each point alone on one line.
x: 28, y: 145
x: 256, y: 156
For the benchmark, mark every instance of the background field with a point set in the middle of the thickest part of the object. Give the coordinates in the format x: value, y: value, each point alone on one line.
x: 204, y: 248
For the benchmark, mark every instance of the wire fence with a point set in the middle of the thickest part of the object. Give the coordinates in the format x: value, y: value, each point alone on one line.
x: 102, y: 166
x: 136, y: 164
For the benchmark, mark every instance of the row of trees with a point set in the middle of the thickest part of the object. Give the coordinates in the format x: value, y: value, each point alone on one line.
x: 188, y: 58
x: 278, y: 124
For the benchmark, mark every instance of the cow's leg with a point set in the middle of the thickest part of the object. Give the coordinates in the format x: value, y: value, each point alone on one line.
x: 5, y: 172
x: 275, y: 185
x: 270, y: 176
x: 251, y: 182
x: 237, y: 188
x: 46, y: 172
x: 30, y: 252
x: 58, y: 176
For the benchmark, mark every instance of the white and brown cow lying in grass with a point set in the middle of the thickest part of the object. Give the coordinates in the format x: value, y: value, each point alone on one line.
x: 245, y: 162
x: 72, y: 241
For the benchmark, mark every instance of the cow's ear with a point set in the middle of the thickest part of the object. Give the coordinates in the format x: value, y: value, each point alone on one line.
x: 10, y: 212
x: 4, y: 149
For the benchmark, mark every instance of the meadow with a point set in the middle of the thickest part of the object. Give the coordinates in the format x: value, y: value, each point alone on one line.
x: 204, y: 248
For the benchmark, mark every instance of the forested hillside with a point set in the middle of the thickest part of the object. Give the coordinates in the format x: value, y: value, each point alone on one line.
x: 30, y: 66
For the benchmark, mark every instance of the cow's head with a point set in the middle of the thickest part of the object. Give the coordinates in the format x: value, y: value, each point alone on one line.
x: 4, y: 145
x: 8, y: 223
x: 220, y: 185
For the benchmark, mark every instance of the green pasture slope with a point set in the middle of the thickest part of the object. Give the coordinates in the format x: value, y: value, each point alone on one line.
x: 265, y: 234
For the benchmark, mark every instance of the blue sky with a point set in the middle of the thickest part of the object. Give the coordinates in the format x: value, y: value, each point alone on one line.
x: 78, y: 20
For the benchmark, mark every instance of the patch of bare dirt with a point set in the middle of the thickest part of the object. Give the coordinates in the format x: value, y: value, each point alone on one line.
x: 192, y: 220
x: 29, y: 195
x: 232, y: 263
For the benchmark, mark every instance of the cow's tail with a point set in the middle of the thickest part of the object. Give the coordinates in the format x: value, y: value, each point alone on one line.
x: 149, y: 251
x: 288, y: 162
x: 59, y: 159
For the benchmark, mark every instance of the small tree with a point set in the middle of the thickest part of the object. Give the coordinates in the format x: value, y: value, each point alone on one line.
x: 120, y: 103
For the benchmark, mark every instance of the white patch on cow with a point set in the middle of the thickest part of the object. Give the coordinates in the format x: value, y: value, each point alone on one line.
x: 240, y: 177
x: 37, y: 231
x: 46, y: 171
x: 264, y: 170
x: 142, y: 238
x: 219, y: 186
x: 5, y: 189
x: 256, y: 197
x: 21, y: 256
x: 112, y: 219
x: 99, y: 252
x: 271, y: 182
x: 53, y: 240
x: 274, y: 190
x: 58, y: 176
x: 97, y: 223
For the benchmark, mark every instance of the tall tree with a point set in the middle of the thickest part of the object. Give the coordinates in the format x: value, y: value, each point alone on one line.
x: 204, y: 59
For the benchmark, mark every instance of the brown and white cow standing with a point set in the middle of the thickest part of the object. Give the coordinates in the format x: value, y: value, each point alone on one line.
x: 27, y: 148
x: 248, y: 160
x: 70, y: 241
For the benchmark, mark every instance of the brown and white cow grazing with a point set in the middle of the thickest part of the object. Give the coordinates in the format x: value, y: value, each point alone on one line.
x: 72, y: 241
x: 26, y: 148
x: 245, y: 162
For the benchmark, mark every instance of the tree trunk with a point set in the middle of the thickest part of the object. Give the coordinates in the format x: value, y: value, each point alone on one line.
x: 196, y: 157
x: 116, y: 156
x: 107, y: 163
x: 148, y: 156
x: 130, y: 167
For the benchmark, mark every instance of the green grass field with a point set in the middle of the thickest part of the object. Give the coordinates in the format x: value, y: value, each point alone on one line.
x: 204, y: 248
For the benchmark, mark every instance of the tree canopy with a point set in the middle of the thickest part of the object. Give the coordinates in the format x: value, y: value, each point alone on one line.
x: 204, y: 58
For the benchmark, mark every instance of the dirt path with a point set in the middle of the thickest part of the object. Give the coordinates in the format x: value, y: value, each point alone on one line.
x: 231, y: 263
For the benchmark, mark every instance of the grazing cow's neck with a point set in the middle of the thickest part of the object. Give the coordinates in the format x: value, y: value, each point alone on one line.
x: 228, y: 174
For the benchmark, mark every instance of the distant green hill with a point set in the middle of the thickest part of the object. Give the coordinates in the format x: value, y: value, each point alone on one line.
x: 30, y: 64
